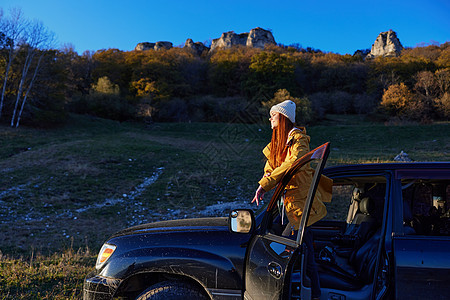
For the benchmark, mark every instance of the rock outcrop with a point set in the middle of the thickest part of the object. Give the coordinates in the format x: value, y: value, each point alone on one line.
x: 257, y: 37
x: 144, y: 46
x: 229, y: 39
x: 386, y: 44
x: 163, y: 45
x: 153, y: 46
x: 402, y: 156
x: 198, y: 47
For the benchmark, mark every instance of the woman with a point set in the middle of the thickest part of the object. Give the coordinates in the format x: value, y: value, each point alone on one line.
x: 287, y: 145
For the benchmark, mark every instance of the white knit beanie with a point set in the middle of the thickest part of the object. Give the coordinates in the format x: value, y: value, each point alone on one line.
x: 286, y: 108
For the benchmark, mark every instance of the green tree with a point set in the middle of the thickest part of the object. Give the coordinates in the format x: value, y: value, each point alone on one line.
x: 228, y: 70
x: 105, y: 86
x: 271, y: 71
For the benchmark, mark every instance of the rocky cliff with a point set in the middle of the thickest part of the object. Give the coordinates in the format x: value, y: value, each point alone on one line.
x: 386, y: 44
x: 153, y: 46
x: 257, y: 37
x: 198, y: 47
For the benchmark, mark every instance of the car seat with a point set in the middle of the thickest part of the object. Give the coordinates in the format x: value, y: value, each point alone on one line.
x: 352, y: 273
x: 362, y: 227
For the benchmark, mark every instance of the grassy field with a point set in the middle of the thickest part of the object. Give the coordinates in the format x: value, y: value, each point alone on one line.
x: 64, y: 191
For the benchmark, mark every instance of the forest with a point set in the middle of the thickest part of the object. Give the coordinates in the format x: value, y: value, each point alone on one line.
x: 41, y: 85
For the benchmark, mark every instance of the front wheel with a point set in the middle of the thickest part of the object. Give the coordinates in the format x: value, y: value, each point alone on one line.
x: 171, y: 290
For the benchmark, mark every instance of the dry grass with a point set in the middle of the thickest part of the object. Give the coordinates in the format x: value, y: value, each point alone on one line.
x: 58, y: 276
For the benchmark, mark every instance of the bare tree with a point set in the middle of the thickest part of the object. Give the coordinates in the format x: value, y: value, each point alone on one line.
x: 39, y: 40
x: 443, y: 80
x: 13, y: 28
x: 425, y: 83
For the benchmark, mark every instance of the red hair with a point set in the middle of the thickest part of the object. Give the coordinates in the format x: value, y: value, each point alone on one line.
x: 278, y: 148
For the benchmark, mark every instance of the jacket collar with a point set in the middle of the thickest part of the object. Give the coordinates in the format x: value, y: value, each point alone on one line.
x: 291, y: 134
x: 293, y: 129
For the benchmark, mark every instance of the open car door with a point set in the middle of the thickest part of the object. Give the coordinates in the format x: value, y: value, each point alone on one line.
x: 271, y: 257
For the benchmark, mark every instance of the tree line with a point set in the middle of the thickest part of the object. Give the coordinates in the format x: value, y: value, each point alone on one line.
x: 41, y: 85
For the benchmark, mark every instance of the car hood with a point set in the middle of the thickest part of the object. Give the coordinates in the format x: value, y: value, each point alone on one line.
x: 199, y: 224
x: 194, y: 246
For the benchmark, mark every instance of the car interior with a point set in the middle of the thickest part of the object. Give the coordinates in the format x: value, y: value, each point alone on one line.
x: 346, y: 246
x: 347, y: 242
x: 347, y: 260
x: 426, y: 210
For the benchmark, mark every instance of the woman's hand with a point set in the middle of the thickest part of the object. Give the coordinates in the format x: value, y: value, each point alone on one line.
x: 259, y: 195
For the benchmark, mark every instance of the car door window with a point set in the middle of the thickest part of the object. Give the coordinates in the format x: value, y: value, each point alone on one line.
x: 421, y: 243
x: 426, y: 208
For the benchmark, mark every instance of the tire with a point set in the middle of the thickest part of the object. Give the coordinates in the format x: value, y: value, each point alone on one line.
x: 171, y: 290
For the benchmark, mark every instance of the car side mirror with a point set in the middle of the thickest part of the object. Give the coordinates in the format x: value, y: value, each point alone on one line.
x: 241, y: 220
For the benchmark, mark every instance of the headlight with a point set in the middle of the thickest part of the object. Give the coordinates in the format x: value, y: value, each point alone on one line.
x: 104, y: 254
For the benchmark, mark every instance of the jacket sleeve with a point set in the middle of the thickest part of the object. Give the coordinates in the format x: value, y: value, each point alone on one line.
x: 300, y: 147
x: 267, y: 167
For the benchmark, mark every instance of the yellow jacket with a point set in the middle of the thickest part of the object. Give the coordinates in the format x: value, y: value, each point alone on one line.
x: 297, y: 189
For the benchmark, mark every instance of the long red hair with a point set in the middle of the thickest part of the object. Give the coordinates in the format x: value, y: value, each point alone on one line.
x: 278, y: 148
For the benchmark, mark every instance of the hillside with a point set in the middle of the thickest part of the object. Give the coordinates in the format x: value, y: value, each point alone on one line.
x: 59, y: 185
x: 64, y: 191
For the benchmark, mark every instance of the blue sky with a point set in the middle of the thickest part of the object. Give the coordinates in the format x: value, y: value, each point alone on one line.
x: 331, y: 26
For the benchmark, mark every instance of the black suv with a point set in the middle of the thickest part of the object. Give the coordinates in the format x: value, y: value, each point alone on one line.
x: 392, y: 242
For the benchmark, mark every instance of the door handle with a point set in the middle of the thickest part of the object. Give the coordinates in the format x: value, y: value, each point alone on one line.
x: 275, y: 270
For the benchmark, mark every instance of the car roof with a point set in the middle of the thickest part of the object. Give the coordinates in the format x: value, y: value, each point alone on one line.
x: 387, y: 167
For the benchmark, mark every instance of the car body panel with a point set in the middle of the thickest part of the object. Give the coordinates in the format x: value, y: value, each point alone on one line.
x: 422, y: 267
x: 205, y: 253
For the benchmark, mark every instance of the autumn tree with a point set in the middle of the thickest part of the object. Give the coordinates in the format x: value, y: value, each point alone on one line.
x: 111, y: 63
x: 396, y: 98
x: 78, y: 69
x: 399, y: 101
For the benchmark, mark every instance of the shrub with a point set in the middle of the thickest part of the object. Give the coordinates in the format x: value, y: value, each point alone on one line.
x: 220, y: 109
x: 395, y: 99
x: 145, y: 109
x: 109, y: 106
x: 173, y: 110
x: 364, y: 103
x: 398, y: 101
x: 341, y: 102
x: 320, y: 104
x: 103, y: 101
